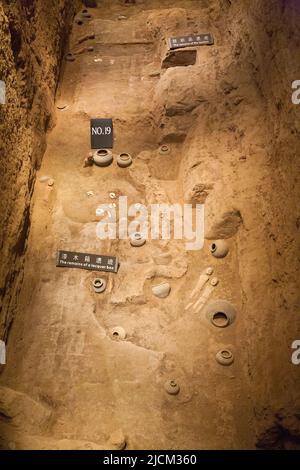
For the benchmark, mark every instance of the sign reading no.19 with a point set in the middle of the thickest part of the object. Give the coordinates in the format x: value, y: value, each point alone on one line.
x: 101, y: 133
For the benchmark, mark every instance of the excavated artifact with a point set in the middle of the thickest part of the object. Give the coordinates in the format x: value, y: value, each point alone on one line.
x: 137, y: 239
x: 220, y: 313
x: 118, y: 333
x: 162, y: 290
x: 219, y: 248
x: 164, y: 149
x: 70, y: 57
x: 172, y: 387
x: 124, y: 160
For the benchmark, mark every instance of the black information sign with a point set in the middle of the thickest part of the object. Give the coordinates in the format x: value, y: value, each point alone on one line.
x: 72, y: 259
x: 192, y: 40
x: 101, y: 133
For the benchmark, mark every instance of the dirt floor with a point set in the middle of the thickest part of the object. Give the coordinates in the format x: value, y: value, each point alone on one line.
x: 71, y: 384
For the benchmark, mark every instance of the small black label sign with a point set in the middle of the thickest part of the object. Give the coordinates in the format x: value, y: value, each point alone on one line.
x: 72, y: 259
x: 101, y: 133
x: 192, y: 40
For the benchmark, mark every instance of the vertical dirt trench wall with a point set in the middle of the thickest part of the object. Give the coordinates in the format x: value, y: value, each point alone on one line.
x: 33, y: 35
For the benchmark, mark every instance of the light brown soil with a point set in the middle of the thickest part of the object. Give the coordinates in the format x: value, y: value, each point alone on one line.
x: 71, y: 383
